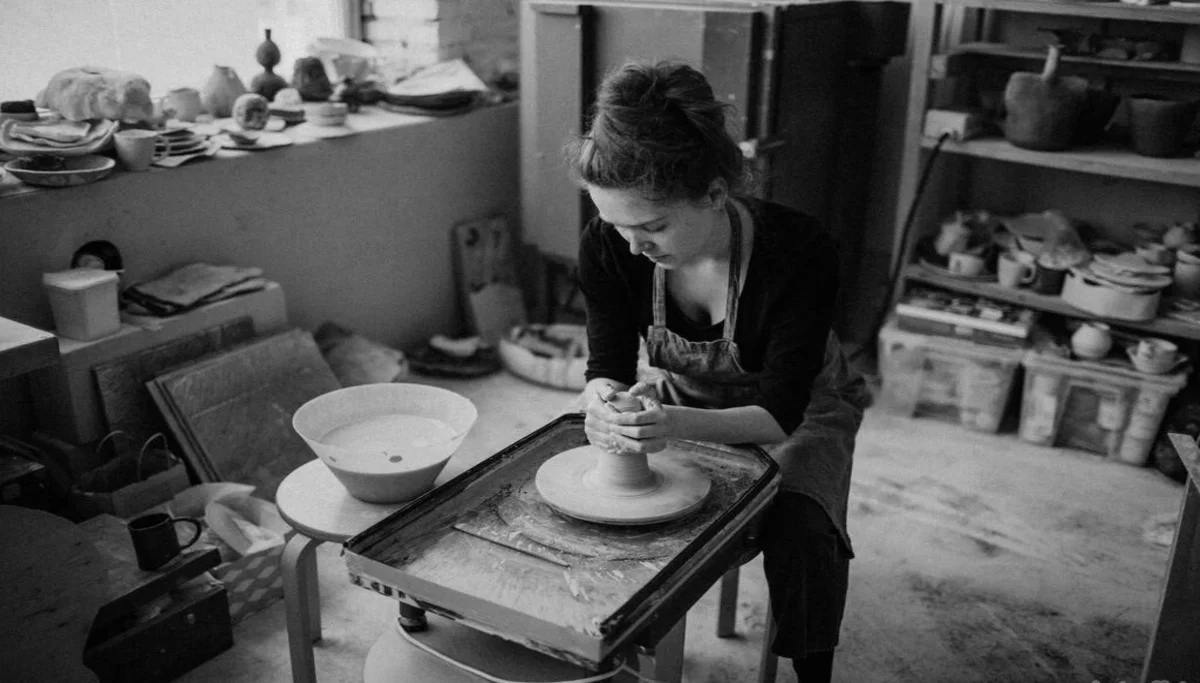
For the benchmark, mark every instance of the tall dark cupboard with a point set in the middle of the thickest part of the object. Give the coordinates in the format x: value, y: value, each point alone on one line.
x: 802, y: 78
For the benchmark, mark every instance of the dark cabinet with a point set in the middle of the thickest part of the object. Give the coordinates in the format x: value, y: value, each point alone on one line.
x: 803, y: 81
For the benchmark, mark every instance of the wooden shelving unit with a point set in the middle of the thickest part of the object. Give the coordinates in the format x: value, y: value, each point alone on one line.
x: 940, y: 51
x: 1111, y: 161
x: 1050, y: 304
x: 1168, y: 14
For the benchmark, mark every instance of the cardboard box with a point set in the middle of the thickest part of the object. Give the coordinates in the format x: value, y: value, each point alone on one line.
x: 65, y: 396
x: 253, y: 582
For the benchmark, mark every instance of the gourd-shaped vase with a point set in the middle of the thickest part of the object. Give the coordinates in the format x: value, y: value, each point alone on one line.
x: 221, y: 91
x: 1092, y: 341
x: 268, y: 82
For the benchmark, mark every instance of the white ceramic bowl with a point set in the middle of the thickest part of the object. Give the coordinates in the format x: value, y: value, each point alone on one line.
x: 386, y: 443
x: 74, y: 171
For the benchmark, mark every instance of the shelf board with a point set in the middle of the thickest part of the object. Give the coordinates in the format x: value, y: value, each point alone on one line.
x: 1179, y: 13
x: 1110, y: 160
x: 1166, y: 327
x: 1031, y: 57
x: 24, y: 348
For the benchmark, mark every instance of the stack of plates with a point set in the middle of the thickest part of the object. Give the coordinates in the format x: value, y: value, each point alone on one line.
x: 1128, y: 270
x: 182, y: 141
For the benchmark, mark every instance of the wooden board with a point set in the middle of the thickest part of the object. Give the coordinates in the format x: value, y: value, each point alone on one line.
x: 485, y: 266
x: 234, y: 410
x: 127, y: 404
x: 482, y: 549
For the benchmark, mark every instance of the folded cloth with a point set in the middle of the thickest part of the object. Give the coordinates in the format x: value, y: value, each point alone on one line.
x: 57, y: 132
x: 184, y: 287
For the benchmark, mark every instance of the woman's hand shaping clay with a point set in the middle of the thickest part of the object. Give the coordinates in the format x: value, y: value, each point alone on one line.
x: 631, y: 421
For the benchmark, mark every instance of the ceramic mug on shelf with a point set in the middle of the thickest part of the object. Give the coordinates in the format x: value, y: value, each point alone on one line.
x: 136, y: 148
x: 966, y: 265
x: 1015, y: 268
x: 185, y: 102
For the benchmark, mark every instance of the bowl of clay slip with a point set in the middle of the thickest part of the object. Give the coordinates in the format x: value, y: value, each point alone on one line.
x: 386, y: 443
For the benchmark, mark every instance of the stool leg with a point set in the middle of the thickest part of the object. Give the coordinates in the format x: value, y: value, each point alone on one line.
x: 767, y: 661
x: 727, y: 609
x: 299, y: 573
x: 668, y: 654
x: 314, y: 594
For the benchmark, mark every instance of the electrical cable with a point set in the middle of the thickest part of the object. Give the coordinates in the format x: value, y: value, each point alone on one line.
x: 893, y: 279
x: 495, y: 679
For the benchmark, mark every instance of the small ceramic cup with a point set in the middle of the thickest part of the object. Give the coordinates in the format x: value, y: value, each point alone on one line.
x: 1015, y: 269
x: 1156, y: 350
x: 136, y: 148
x: 185, y: 102
x: 966, y: 265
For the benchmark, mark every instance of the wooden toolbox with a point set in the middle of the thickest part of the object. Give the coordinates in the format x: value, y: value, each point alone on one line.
x: 157, y: 624
x: 484, y: 549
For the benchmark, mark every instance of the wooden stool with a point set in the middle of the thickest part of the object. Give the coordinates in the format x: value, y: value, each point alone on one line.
x: 317, y: 506
x: 727, y: 616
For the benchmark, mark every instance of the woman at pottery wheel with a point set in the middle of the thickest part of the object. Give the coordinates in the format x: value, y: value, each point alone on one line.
x: 734, y: 299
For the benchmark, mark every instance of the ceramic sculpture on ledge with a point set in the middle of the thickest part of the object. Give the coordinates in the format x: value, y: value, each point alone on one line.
x: 268, y: 82
x: 221, y: 90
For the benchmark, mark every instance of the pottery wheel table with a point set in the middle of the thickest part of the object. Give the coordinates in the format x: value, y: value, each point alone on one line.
x: 486, y: 551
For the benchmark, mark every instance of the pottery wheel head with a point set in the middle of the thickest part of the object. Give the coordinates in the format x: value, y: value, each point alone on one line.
x: 567, y: 483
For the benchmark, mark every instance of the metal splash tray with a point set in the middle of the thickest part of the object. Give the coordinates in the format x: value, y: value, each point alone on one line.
x: 484, y: 549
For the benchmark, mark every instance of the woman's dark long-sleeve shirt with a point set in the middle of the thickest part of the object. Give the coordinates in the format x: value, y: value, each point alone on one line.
x: 785, y: 309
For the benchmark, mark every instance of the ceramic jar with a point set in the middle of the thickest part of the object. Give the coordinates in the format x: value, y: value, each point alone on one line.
x: 1092, y: 340
x: 1159, y: 126
x: 221, y: 90
x: 1186, y: 276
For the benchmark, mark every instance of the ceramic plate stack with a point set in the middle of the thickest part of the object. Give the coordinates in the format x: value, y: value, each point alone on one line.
x: 1121, y: 286
x: 182, y: 141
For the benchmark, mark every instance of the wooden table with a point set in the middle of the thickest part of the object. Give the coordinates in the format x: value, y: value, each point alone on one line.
x: 476, y: 552
x: 1174, y: 653
x: 317, y: 506
x: 24, y: 348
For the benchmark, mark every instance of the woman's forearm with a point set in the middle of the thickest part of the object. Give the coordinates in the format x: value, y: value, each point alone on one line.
x: 747, y: 424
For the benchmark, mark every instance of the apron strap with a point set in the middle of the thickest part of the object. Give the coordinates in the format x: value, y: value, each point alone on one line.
x: 735, y: 268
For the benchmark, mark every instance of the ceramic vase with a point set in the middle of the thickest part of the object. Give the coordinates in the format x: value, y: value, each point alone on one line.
x: 268, y: 82
x: 221, y: 90
x: 1092, y: 340
x: 1159, y: 126
x: 310, y: 80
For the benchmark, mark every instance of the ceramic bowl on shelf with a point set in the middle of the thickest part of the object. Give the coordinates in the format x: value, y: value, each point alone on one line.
x: 73, y: 171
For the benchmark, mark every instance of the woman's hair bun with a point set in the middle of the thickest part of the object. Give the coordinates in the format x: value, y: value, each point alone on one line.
x: 659, y: 129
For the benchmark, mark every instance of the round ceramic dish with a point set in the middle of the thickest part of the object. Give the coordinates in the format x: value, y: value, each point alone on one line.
x: 79, y: 170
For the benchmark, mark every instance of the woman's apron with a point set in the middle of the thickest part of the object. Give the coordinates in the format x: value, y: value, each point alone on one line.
x: 815, y: 459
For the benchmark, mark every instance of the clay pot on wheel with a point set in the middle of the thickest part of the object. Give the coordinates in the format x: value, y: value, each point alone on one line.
x: 1159, y: 126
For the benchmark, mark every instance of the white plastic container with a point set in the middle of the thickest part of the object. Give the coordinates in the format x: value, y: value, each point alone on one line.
x: 83, y: 302
x: 954, y: 379
x: 1109, y: 409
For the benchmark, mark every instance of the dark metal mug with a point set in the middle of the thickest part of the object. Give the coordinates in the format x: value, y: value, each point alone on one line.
x: 155, y: 542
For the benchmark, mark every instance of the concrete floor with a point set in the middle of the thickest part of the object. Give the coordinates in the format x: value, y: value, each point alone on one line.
x: 980, y: 558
